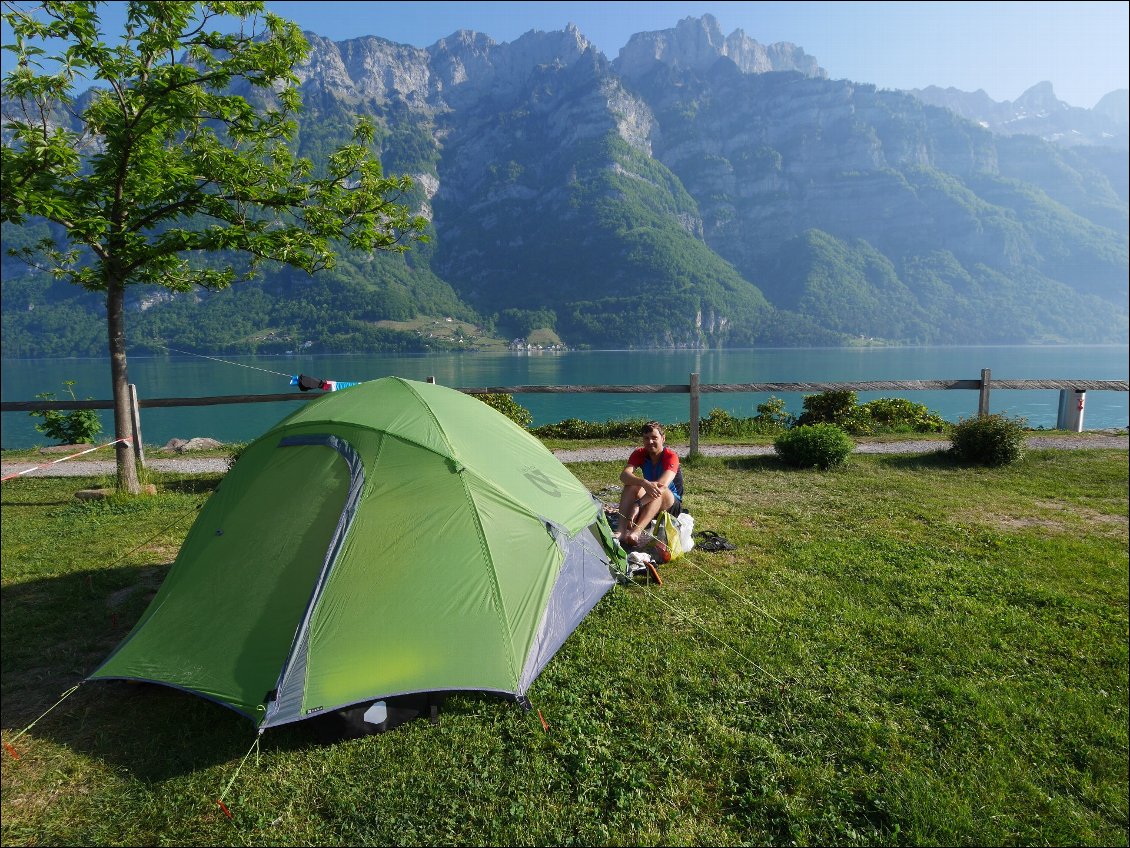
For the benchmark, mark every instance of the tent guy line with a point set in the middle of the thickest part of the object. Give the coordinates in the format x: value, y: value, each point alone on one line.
x: 304, y: 382
x: 125, y: 440
x: 228, y: 362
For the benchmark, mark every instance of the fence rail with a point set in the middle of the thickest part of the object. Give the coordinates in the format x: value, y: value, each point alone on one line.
x: 984, y: 385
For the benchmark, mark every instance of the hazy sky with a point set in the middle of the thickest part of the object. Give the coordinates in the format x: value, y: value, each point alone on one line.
x: 1003, y: 48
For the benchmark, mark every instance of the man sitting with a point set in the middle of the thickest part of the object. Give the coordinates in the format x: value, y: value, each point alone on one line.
x: 660, y: 485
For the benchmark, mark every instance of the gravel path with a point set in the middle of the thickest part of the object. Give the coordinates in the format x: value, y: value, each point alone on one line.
x: 185, y: 464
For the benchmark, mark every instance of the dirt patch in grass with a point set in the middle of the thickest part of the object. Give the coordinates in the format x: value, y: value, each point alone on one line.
x: 1072, y: 516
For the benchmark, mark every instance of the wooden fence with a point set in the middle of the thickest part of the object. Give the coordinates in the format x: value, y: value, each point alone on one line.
x: 984, y: 386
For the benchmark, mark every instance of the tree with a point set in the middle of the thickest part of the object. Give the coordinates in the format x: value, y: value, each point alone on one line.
x: 162, y: 167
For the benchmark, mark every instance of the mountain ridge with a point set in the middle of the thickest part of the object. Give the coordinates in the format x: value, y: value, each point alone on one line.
x: 1039, y: 112
x: 753, y: 206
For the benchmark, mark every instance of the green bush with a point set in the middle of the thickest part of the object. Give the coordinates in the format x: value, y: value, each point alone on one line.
x: 771, y: 418
x: 891, y: 414
x: 821, y: 446
x: 827, y: 408
x: 838, y: 408
x: 77, y: 427
x: 899, y: 414
x: 509, y: 407
x: 721, y: 423
x: 772, y: 415
x: 629, y: 429
x: 570, y: 428
x: 988, y: 440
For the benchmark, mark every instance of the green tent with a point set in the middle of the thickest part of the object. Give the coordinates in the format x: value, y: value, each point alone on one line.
x: 390, y: 538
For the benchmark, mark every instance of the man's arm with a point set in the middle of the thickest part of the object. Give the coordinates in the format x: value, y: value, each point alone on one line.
x: 669, y: 472
x: 651, y: 488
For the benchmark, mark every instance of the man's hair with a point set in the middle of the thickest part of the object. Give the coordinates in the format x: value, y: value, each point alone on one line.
x: 652, y: 425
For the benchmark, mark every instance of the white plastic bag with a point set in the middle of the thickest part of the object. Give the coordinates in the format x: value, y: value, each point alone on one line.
x: 685, y: 522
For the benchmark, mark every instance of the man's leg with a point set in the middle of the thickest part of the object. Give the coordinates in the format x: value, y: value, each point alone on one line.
x: 649, y: 508
x: 629, y: 507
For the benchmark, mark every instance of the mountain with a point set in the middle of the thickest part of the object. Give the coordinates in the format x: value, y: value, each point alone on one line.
x: 1039, y: 112
x: 699, y: 190
x: 1115, y: 106
x: 696, y: 44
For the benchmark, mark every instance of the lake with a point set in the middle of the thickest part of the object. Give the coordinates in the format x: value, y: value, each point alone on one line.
x: 196, y: 376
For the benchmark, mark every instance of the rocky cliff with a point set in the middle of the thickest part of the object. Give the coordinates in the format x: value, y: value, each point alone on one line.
x: 704, y: 189
x: 695, y: 44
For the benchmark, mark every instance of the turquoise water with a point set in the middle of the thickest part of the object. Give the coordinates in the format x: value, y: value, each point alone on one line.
x: 194, y: 376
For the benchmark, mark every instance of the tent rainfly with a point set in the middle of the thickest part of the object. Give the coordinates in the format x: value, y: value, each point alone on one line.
x: 395, y: 537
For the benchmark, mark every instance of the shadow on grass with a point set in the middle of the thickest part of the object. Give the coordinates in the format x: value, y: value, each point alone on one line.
x: 58, y: 631
x: 14, y: 504
x: 203, y: 485
x: 942, y: 460
x: 754, y: 463
x: 930, y: 460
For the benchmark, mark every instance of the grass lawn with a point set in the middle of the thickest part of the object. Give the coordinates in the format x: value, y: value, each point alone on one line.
x: 902, y: 651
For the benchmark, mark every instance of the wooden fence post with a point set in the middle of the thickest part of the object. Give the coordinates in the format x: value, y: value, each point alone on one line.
x: 135, y: 414
x: 694, y: 414
x: 983, y: 401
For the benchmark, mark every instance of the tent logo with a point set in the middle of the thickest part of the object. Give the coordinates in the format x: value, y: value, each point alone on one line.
x: 539, y: 479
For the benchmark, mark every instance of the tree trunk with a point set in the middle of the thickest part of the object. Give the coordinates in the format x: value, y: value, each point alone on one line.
x: 119, y: 376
